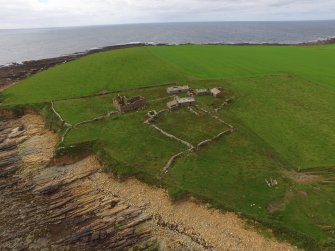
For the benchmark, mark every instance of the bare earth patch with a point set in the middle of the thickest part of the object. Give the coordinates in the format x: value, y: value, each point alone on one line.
x: 41, y: 142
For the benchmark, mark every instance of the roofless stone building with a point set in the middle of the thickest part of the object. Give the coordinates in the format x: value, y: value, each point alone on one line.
x: 125, y: 104
x: 202, y: 92
x: 178, y: 89
x: 180, y: 102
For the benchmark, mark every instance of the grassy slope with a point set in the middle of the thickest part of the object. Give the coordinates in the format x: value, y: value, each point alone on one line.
x: 234, y: 167
x: 189, y: 127
x: 81, y: 109
x: 293, y: 116
x: 129, y: 141
x: 136, y: 67
x: 78, y: 110
x: 114, y: 70
x: 231, y: 174
x: 315, y: 63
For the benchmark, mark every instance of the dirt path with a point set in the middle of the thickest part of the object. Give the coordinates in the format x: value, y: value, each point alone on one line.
x: 78, y: 207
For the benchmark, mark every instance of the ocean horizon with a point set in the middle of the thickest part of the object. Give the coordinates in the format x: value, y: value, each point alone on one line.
x: 18, y: 45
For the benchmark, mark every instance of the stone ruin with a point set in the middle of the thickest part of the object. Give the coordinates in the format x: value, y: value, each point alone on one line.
x: 177, y: 89
x: 125, y: 104
x: 199, y: 92
x: 180, y: 102
x: 217, y: 92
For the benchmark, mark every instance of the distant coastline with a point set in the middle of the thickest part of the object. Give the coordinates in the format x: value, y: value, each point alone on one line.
x: 36, y: 44
x: 14, y: 72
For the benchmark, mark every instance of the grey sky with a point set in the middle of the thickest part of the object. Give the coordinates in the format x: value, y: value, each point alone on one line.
x: 49, y: 13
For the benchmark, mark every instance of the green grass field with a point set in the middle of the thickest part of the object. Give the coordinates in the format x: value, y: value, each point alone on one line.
x: 198, y: 128
x: 314, y: 63
x: 72, y: 110
x: 129, y: 142
x: 138, y: 67
x: 283, y: 110
x: 294, y: 116
x: 111, y: 71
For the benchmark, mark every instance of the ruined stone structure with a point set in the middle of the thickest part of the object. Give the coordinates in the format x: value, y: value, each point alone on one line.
x: 183, y: 102
x: 178, y: 89
x: 125, y: 104
x: 180, y: 102
x: 172, y: 105
x: 201, y: 92
x: 217, y: 92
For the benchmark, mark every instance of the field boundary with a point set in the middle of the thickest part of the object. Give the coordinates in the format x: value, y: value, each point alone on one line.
x: 104, y: 93
x: 191, y: 148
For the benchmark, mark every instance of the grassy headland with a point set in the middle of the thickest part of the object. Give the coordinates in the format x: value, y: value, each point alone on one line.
x: 283, y: 111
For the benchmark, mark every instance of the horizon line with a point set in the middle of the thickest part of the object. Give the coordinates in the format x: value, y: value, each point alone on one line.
x: 172, y: 22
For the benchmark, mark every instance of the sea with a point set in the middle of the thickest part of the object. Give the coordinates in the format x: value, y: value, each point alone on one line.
x: 18, y: 45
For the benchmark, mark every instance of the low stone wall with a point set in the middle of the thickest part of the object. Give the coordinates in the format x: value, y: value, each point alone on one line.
x: 172, y: 161
x: 191, y: 148
x: 172, y: 136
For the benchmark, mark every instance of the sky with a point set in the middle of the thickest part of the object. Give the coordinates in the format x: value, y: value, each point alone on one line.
x: 59, y: 13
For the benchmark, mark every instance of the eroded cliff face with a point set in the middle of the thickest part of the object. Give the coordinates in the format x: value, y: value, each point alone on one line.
x: 76, y: 206
x: 48, y: 206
